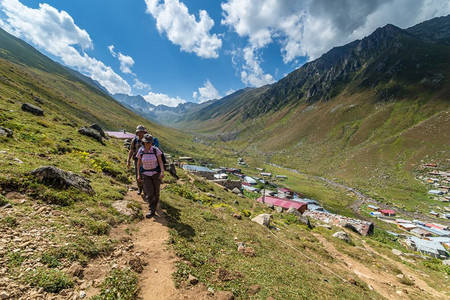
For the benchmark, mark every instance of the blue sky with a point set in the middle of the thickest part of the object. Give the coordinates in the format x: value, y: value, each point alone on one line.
x: 172, y: 51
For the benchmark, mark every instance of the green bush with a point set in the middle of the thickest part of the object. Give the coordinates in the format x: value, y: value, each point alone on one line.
x: 50, y: 260
x: 9, y: 221
x: 120, y: 285
x: 98, y: 227
x: 15, y: 259
x: 3, y: 200
x: 51, y: 280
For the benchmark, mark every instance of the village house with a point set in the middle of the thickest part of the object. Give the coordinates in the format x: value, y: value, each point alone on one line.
x: 435, y: 231
x: 420, y: 232
x: 200, y: 171
x: 265, y: 174
x: 373, y: 207
x: 282, y: 177
x: 431, y: 248
x: 285, y: 193
x: 431, y: 165
x: 387, y: 212
x: 250, y: 180
x: 375, y: 214
x: 284, y: 203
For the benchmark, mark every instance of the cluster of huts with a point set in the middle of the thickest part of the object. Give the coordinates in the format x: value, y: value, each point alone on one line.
x: 281, y: 198
x: 438, y: 181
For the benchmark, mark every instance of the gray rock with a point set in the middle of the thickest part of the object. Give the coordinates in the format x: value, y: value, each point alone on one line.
x: 397, y: 252
x: 82, y: 294
x: 293, y: 211
x: 279, y: 209
x: 6, y: 132
x: 263, y: 219
x: 304, y: 220
x: 241, y: 195
x: 4, y: 295
x: 126, y: 208
x: 32, y: 109
x: 62, y: 179
x: 38, y: 100
x: 91, y: 133
x: 446, y: 262
x: 270, y: 205
x: 236, y: 191
x: 343, y: 236
x: 99, y: 129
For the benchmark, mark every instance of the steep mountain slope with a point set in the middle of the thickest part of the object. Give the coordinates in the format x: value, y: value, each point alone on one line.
x: 368, y: 113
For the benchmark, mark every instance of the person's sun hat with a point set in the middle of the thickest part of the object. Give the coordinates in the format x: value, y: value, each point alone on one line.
x: 140, y: 128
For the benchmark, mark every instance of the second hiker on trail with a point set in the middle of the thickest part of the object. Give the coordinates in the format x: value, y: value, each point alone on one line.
x: 136, y: 144
x: 151, y: 171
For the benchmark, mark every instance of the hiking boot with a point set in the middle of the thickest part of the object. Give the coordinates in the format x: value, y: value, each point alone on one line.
x: 150, y: 214
x: 139, y: 191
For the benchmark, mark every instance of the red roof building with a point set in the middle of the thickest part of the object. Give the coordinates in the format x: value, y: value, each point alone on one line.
x: 431, y: 225
x: 387, y: 212
x: 284, y: 203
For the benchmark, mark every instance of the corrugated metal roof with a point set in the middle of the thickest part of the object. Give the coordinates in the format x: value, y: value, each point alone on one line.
x: 121, y: 134
x: 429, y: 247
x: 197, y: 168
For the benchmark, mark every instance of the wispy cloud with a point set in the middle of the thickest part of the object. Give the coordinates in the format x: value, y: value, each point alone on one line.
x: 126, y: 62
x: 182, y: 28
x: 157, y: 99
x: 56, y: 33
x: 206, y: 92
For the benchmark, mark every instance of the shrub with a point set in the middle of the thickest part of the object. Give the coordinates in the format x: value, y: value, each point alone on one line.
x: 119, y: 284
x: 51, y: 280
x: 246, y: 213
x: 49, y: 259
x: 3, y: 200
x: 98, y: 227
x: 9, y: 221
x: 15, y: 259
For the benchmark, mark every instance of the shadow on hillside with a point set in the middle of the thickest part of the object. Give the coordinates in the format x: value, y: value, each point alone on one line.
x: 173, y: 218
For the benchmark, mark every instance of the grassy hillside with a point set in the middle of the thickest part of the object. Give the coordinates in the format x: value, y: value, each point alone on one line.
x: 369, y: 120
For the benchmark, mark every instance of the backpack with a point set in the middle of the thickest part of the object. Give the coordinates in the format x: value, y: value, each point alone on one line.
x: 136, y: 145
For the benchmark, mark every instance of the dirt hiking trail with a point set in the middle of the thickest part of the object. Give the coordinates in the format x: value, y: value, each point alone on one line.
x: 149, y: 238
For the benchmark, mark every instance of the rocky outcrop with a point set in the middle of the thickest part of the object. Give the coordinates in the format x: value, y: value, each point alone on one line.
x: 342, y: 236
x: 62, y: 179
x: 91, y: 133
x: 362, y: 227
x: 128, y: 209
x: 99, y: 129
x: 32, y: 109
x: 6, y: 132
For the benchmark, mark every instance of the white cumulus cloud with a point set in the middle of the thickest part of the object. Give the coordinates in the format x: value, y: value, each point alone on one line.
x: 182, y: 28
x: 157, y: 99
x: 56, y: 32
x: 310, y: 28
x: 206, y: 92
x: 252, y: 73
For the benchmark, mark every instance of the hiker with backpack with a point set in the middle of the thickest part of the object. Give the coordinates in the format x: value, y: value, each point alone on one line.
x: 151, y: 171
x: 136, y: 144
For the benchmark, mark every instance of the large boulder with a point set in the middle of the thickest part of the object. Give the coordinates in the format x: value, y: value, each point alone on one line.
x: 6, y: 132
x: 63, y: 179
x: 91, y: 133
x: 305, y: 221
x: 99, y: 129
x: 263, y: 219
x: 293, y: 211
x: 343, y: 236
x: 32, y: 109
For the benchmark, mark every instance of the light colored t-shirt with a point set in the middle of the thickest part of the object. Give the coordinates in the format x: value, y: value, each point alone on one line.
x: 149, y: 159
